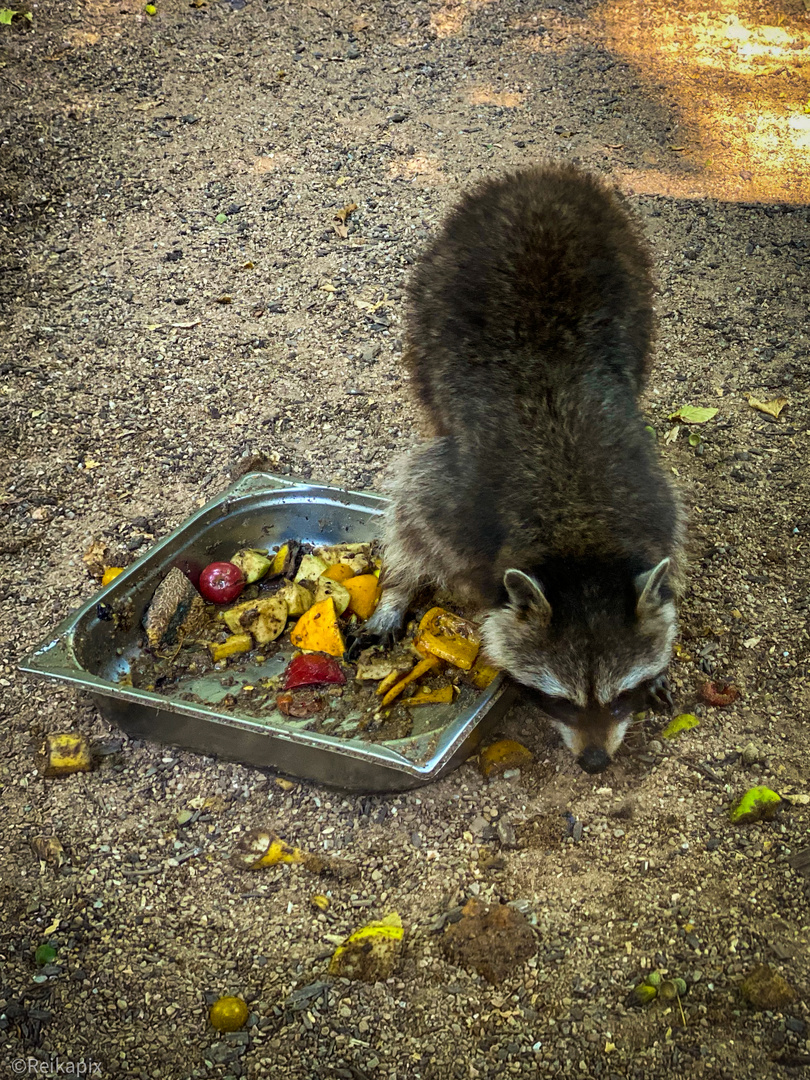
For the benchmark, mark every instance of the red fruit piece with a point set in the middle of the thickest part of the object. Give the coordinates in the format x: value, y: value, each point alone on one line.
x: 301, y: 705
x: 221, y: 582
x: 312, y: 669
x: 718, y: 694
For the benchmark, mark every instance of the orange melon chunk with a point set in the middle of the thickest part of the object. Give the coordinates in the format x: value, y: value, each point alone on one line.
x: 364, y: 591
x: 318, y: 631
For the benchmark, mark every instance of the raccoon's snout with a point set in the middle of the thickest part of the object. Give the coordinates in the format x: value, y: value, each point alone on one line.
x: 594, y: 759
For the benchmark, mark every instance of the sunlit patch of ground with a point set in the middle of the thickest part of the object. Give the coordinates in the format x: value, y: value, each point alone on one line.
x: 450, y: 17
x: 421, y: 168
x: 740, y: 79
x: 267, y: 163
x: 487, y: 95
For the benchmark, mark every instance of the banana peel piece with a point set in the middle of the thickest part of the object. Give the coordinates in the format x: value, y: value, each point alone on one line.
x: 370, y: 953
x: 63, y: 754
x: 262, y: 848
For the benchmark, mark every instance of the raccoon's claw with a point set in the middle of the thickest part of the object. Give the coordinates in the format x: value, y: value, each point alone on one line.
x: 660, y: 693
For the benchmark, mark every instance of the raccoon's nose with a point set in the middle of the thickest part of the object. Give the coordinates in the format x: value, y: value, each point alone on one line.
x: 593, y: 759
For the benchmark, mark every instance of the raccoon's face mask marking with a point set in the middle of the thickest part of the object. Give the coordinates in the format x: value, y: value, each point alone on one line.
x: 590, y: 651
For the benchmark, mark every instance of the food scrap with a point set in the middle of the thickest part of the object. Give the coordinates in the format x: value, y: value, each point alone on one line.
x: 718, y: 694
x: 370, y: 953
x: 63, y: 754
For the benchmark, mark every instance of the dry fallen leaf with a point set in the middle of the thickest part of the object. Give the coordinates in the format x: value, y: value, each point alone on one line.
x: 339, y: 221
x: 772, y: 407
x: 672, y: 434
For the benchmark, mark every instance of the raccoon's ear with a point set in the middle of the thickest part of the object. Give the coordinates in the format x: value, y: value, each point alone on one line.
x: 652, y: 589
x: 526, y: 593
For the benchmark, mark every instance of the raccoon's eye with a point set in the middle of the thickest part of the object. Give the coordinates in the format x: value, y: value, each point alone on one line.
x: 625, y: 702
x: 558, y: 708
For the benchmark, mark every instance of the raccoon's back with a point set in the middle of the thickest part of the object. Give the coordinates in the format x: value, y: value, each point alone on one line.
x: 536, y: 278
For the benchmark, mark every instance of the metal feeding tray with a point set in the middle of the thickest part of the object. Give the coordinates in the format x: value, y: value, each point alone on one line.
x: 259, y: 511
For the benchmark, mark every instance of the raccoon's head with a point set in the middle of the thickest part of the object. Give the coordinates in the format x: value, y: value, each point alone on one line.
x: 589, y: 639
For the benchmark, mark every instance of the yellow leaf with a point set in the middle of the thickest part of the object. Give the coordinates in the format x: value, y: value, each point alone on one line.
x: 772, y: 407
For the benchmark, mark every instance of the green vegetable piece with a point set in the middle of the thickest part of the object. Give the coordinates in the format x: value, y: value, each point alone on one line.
x: 150, y: 9
x: 680, y: 723
x: 757, y: 804
x: 680, y: 986
x: 220, y: 218
x: 643, y: 994
x: 695, y: 439
x: 253, y: 564
x: 45, y: 954
x: 6, y: 15
x: 693, y: 414
x: 651, y: 431
x: 653, y: 979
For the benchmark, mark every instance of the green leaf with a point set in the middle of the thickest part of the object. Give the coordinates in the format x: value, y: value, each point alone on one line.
x: 693, y: 414
x: 7, y: 14
x: 45, y: 954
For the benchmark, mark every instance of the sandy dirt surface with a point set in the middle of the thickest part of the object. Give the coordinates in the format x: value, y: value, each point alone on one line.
x: 182, y: 290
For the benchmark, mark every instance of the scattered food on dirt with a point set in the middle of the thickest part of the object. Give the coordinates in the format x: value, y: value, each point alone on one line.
x: 493, y: 941
x: 757, y: 804
x: 500, y: 756
x: 370, y: 953
x: 682, y: 722
x: 764, y: 988
x: 261, y: 848
x: 718, y: 694
x: 228, y: 1014
x: 64, y: 753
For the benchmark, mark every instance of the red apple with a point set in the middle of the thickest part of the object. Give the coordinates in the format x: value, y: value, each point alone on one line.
x: 221, y: 582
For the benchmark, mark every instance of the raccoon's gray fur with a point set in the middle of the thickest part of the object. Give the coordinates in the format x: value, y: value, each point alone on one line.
x: 540, y: 497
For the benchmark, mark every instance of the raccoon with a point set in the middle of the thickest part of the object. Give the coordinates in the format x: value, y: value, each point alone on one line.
x: 539, y: 497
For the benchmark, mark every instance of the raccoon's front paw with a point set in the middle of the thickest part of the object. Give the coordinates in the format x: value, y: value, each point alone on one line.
x: 659, y: 693
x: 383, y: 628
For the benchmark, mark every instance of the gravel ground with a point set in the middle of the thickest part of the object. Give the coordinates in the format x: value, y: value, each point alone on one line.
x: 179, y: 297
